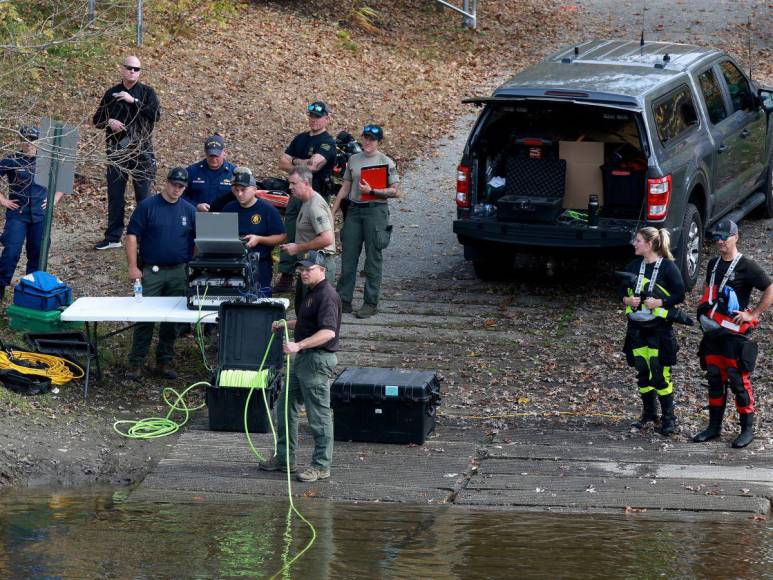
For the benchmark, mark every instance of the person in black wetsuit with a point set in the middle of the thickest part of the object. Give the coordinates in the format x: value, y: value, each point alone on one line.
x: 650, y: 344
x: 727, y: 352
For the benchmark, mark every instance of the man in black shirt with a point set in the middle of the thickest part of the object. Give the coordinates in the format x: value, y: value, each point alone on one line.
x: 128, y: 112
x: 316, y: 328
x: 315, y: 150
x: 727, y: 353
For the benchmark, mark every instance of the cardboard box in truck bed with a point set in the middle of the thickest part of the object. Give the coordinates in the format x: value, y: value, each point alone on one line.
x: 583, y: 172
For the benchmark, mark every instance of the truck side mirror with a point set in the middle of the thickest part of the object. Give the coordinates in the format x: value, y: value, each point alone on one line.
x: 765, y: 96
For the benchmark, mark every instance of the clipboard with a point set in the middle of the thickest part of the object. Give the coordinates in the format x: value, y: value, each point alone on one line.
x: 377, y: 177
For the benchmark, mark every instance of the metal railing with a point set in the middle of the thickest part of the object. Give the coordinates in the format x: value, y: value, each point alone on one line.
x: 469, y: 10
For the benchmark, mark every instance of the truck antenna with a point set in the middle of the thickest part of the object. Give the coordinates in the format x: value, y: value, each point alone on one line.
x: 641, y: 41
x: 749, y: 35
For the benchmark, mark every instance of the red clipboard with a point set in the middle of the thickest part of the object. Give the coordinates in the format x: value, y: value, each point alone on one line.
x: 377, y: 177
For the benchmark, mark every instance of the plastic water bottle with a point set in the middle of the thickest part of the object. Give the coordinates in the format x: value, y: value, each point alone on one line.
x: 138, y: 290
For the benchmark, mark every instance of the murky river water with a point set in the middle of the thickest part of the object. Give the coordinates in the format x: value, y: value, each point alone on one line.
x: 68, y: 534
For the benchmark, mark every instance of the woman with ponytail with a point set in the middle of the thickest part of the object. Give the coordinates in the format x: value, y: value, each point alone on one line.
x: 652, y: 287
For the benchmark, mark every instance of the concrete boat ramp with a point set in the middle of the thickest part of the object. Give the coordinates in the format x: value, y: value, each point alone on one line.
x: 534, y: 463
x: 543, y: 469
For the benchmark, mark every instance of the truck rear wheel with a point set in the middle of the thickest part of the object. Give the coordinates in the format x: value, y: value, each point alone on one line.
x: 688, y: 256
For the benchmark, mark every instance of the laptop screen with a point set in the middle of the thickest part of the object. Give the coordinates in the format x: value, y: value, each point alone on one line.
x: 218, y: 233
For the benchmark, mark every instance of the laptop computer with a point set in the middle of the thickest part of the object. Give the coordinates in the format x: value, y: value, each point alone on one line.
x: 218, y: 233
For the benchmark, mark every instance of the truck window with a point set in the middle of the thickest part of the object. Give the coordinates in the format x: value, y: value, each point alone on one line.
x: 674, y: 114
x: 737, y: 86
x: 712, y: 94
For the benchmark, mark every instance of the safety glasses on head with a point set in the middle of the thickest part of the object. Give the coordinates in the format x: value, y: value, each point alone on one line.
x: 373, y: 131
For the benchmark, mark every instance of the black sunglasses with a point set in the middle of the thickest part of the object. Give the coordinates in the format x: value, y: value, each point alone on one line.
x: 132, y: 68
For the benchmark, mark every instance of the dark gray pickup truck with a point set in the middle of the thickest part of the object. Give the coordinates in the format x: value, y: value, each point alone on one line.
x: 599, y: 139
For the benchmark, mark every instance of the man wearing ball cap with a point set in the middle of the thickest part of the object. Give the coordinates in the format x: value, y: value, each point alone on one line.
x: 727, y: 352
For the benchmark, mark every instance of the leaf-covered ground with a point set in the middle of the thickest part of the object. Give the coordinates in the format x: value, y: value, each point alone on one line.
x: 249, y: 79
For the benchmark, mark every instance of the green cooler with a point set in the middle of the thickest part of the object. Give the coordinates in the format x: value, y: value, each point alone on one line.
x: 30, y: 320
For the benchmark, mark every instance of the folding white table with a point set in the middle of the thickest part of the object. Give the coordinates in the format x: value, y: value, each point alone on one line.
x: 92, y: 310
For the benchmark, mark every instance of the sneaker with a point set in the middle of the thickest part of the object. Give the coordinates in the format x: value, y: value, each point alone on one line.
x: 346, y: 307
x: 366, y: 311
x: 106, y: 245
x: 134, y: 374
x: 275, y: 464
x: 286, y: 283
x: 313, y: 474
x: 165, y: 372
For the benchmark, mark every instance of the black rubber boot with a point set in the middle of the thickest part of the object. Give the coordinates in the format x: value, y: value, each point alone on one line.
x: 747, y: 431
x: 668, y: 419
x: 714, y: 429
x: 649, y: 412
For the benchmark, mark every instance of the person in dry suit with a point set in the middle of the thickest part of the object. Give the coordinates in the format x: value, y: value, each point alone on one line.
x: 727, y: 353
x: 650, y: 296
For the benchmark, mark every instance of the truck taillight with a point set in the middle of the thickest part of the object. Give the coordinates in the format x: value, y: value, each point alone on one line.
x: 658, y: 197
x: 462, y: 186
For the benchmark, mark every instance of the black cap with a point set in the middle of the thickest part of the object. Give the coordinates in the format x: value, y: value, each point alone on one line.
x: 725, y: 227
x: 311, y: 258
x: 214, y: 145
x: 318, y: 109
x: 373, y: 131
x: 29, y: 132
x: 177, y: 175
x: 243, y: 176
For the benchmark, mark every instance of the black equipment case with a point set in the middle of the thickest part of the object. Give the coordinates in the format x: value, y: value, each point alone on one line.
x: 245, y: 330
x: 384, y: 405
x: 222, y: 279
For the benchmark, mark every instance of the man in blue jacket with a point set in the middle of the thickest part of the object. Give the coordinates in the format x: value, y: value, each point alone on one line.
x: 25, y: 208
x: 209, y: 180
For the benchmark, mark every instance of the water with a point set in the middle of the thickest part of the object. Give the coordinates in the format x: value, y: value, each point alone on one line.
x: 76, y: 534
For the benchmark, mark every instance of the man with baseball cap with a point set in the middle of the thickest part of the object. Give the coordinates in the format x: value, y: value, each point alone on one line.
x: 314, y: 150
x: 260, y: 226
x: 25, y: 208
x: 163, y: 229
x: 727, y: 352
x: 209, y: 180
x: 316, y: 330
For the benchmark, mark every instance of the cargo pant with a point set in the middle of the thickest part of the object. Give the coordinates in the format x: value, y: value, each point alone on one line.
x: 311, y: 373
x: 286, y: 261
x: 166, y: 282
x: 366, y: 224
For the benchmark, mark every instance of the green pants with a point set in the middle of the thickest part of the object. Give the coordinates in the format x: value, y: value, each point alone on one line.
x: 165, y: 282
x: 368, y: 225
x: 286, y: 261
x: 311, y: 373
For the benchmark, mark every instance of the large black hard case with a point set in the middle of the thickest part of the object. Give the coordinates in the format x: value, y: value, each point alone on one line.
x: 245, y: 330
x: 384, y: 405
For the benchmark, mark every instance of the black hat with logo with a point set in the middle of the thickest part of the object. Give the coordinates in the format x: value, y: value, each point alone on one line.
x: 177, y: 175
